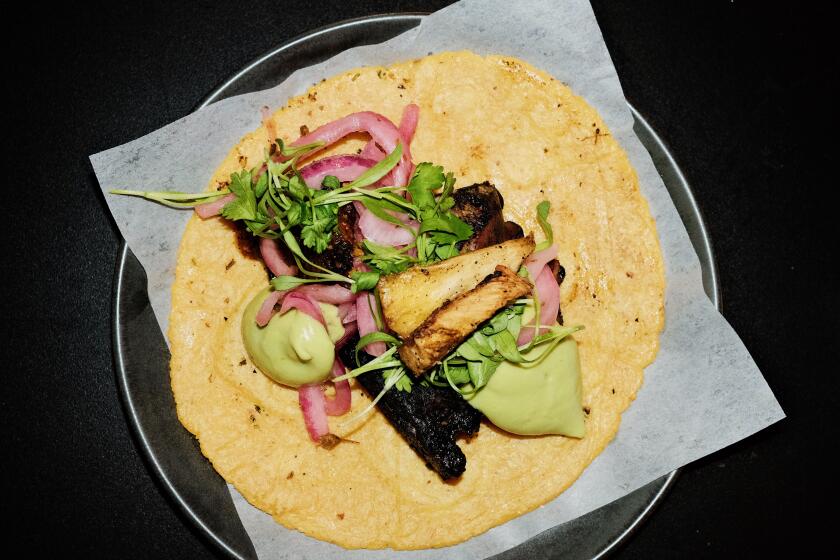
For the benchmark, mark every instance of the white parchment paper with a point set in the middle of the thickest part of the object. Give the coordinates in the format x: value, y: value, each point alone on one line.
x: 702, y: 393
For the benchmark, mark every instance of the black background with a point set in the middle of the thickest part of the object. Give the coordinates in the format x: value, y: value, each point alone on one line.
x: 739, y: 92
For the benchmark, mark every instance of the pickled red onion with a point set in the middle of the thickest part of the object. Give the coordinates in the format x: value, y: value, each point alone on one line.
x: 408, y: 124
x: 372, y: 151
x: 381, y: 130
x: 304, y: 304
x: 327, y: 293
x: 313, y: 403
x: 210, y: 209
x: 349, y: 330
x: 549, y: 293
x: 347, y: 311
x: 385, y: 233
x: 345, y: 167
x: 339, y: 404
x: 266, y: 311
x: 536, y: 261
x: 274, y: 259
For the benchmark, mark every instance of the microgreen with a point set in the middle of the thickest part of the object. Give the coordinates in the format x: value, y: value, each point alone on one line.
x: 174, y: 199
x: 393, y: 377
x: 364, y: 280
x: 542, y: 217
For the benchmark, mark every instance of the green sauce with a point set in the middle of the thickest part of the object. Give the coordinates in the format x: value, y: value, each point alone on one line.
x: 541, y: 399
x: 293, y: 348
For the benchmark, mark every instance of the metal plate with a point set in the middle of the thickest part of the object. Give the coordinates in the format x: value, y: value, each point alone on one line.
x: 142, y: 358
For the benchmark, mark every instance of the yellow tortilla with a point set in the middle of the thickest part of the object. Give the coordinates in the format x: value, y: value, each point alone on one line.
x: 484, y: 118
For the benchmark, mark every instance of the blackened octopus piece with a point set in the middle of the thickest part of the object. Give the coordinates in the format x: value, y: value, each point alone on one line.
x: 429, y: 418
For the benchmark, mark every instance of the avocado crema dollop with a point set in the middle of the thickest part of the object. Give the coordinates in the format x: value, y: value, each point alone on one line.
x: 293, y: 348
x: 544, y: 398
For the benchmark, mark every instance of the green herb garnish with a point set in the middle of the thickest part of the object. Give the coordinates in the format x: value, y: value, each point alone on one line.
x: 542, y: 217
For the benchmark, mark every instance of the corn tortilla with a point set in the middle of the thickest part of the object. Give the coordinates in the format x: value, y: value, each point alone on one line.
x: 489, y: 118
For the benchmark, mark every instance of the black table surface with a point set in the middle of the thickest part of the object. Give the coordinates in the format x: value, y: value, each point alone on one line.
x: 722, y: 83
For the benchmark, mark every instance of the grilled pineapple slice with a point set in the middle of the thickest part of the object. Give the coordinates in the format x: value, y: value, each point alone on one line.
x: 409, y: 297
x: 452, y: 323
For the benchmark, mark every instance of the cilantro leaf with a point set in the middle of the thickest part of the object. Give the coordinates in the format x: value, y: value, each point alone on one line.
x: 480, y: 372
x: 364, y: 280
x: 245, y: 205
x: 404, y: 384
x: 387, y: 259
x: 318, y: 226
x: 261, y: 186
x: 297, y: 188
x: 294, y: 214
x: 458, y: 374
x: 443, y: 252
x: 446, y: 228
x: 402, y: 381
x: 505, y: 344
x: 330, y: 182
x: 427, y: 178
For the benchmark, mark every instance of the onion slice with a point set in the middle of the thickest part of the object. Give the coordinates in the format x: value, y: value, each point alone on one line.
x: 381, y: 130
x: 339, y: 404
x: 385, y: 233
x: 365, y: 302
x: 274, y: 259
x: 347, y: 311
x: 266, y: 311
x: 536, y: 261
x: 549, y: 293
x: 408, y: 122
x: 327, y: 293
x: 210, y: 209
x: 372, y: 151
x: 304, y: 304
x: 344, y: 167
x: 313, y: 403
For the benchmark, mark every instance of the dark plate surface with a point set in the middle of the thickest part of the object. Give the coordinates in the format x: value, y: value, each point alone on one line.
x: 142, y: 356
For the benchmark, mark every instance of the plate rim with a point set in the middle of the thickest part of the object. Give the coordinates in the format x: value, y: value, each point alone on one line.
x: 702, y: 245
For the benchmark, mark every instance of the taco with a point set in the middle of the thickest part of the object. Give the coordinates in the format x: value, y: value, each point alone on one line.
x: 515, y: 141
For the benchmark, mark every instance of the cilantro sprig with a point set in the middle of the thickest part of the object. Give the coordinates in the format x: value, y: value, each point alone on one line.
x: 439, y: 232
